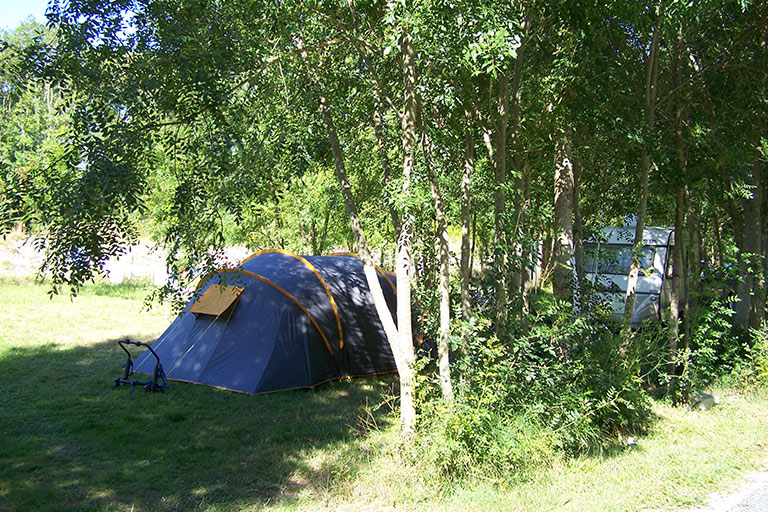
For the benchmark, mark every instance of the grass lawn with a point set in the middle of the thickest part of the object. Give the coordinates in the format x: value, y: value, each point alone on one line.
x: 69, y: 441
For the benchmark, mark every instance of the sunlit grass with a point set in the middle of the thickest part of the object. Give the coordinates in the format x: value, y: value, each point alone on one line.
x: 79, y: 444
x: 689, y: 455
x: 69, y: 441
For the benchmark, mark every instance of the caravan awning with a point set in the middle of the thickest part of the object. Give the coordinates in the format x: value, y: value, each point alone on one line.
x: 216, y: 299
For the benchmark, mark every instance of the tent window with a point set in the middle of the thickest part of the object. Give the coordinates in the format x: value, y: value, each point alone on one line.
x: 217, y: 299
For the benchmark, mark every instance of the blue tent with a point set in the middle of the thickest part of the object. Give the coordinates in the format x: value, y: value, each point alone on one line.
x: 278, y: 321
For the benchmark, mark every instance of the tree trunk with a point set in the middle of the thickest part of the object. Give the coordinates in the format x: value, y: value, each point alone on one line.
x: 763, y: 291
x: 404, y: 243
x: 529, y: 256
x: 546, y: 258
x: 578, y: 237
x: 466, y: 183
x: 651, y: 79
x: 691, y: 265
x: 369, y: 268
x: 499, y: 207
x: 757, y: 222
x: 378, y: 128
x: 562, y: 278
x: 743, y: 304
x: 747, y: 308
x: 519, y: 163
x: 677, y: 293
x: 444, y: 285
x: 473, y: 238
x: 750, y: 311
x: 763, y: 283
x: 488, y: 138
x: 678, y: 299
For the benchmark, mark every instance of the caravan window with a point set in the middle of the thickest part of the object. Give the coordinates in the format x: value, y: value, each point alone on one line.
x: 614, y: 259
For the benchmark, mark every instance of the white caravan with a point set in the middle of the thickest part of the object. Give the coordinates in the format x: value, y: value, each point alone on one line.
x: 606, y: 264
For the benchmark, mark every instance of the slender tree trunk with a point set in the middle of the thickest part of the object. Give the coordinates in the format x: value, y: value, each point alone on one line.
x: 738, y: 221
x: 313, y: 236
x: 743, y: 290
x: 763, y: 295
x: 678, y: 299
x: 499, y: 207
x: 528, y: 256
x: 381, y: 141
x: 746, y: 309
x: 404, y: 243
x: 488, y: 138
x: 578, y: 236
x: 519, y: 162
x: 466, y: 183
x: 691, y: 266
x: 758, y: 222
x: 562, y: 279
x: 651, y: 80
x: 677, y: 293
x: 546, y: 258
x: 363, y: 250
x: 473, y: 237
x: 444, y: 285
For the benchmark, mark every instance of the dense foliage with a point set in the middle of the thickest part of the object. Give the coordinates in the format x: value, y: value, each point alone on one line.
x: 564, y: 386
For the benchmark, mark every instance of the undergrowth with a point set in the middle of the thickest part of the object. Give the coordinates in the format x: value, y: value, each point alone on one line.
x: 571, y: 385
x: 565, y: 387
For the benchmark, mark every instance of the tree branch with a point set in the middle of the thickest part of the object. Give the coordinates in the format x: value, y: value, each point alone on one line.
x: 360, y: 46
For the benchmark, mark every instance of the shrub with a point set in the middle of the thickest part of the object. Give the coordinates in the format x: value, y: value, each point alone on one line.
x: 568, y: 385
x: 751, y: 370
x: 759, y: 355
x: 718, y: 351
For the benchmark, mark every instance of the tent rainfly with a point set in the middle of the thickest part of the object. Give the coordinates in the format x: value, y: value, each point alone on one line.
x: 278, y: 321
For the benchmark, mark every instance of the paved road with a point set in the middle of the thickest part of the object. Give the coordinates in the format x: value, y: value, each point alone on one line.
x: 756, y: 501
x: 750, y: 497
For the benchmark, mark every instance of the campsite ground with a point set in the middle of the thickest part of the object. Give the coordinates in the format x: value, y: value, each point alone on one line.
x: 72, y: 442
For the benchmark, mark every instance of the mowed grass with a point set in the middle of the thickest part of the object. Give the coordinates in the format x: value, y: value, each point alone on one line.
x: 69, y: 441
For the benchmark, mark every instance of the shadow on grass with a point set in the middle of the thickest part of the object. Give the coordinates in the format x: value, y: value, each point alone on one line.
x: 73, y: 442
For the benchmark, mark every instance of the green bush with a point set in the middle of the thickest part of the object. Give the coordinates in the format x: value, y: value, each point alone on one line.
x: 718, y: 351
x: 567, y: 386
x: 751, y: 370
x: 714, y: 350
